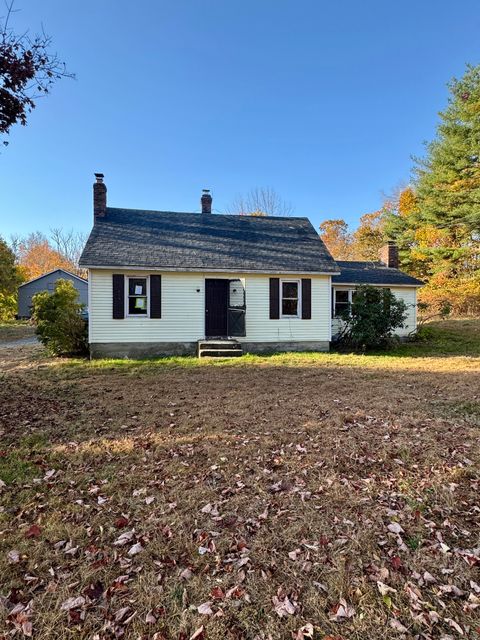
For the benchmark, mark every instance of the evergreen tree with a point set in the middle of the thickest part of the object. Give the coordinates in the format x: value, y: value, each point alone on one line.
x: 436, y: 222
x: 448, y: 178
x: 9, y: 276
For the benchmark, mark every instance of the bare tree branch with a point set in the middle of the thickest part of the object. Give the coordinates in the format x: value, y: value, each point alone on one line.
x: 260, y: 201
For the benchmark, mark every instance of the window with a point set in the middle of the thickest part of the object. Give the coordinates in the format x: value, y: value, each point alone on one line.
x: 342, y: 300
x: 290, y: 298
x: 137, y: 296
x: 342, y: 303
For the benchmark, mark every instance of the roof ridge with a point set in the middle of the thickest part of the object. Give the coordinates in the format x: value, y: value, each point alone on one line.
x: 198, y: 213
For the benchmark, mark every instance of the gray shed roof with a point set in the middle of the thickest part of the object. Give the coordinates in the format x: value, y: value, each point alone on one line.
x: 211, y: 242
x: 49, y: 273
x: 352, y: 272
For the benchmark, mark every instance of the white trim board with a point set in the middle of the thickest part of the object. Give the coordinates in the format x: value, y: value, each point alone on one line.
x: 205, y: 270
x: 361, y: 284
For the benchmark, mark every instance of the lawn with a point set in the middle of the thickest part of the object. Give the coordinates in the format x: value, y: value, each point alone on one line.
x: 293, y: 496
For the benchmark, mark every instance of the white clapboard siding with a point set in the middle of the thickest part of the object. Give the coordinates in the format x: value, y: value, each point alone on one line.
x: 183, y: 310
x: 261, y: 329
x: 407, y: 294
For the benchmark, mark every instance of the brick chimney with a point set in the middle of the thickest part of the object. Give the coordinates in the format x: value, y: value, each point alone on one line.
x: 389, y: 255
x: 99, y: 197
x: 206, y: 201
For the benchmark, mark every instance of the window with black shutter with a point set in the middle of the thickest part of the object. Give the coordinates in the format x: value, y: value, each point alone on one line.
x: 290, y: 302
x: 137, y: 296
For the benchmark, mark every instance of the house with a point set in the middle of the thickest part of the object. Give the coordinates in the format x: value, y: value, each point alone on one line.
x: 46, y: 282
x: 163, y: 283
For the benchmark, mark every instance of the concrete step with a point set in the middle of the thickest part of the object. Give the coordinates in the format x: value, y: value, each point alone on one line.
x: 219, y: 348
x: 220, y: 353
x: 219, y: 344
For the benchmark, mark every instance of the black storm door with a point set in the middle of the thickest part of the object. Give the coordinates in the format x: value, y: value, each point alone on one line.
x: 216, y: 307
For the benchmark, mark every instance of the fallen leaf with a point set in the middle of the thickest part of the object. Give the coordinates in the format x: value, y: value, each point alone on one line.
x: 305, y: 632
x: 384, y: 588
x: 394, y: 527
x: 293, y: 555
x: 283, y: 607
x: 205, y: 609
x: 199, y: 634
x: 186, y: 574
x: 121, y: 614
x: 93, y: 590
x: 341, y: 611
x: 451, y: 589
x: 454, y: 625
x: 72, y: 603
x: 217, y: 593
x: 124, y: 538
x: 33, y: 532
x: 137, y: 548
x: 121, y: 522
x: 428, y: 577
x: 13, y: 556
x: 398, y: 626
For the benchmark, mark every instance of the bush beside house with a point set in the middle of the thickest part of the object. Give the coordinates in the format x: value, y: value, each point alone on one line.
x: 372, y: 318
x: 58, y: 319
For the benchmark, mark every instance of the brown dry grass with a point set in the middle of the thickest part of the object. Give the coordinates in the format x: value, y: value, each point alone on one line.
x: 312, y: 457
x: 15, y: 330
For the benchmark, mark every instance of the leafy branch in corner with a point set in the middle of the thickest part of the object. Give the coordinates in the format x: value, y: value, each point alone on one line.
x: 28, y: 69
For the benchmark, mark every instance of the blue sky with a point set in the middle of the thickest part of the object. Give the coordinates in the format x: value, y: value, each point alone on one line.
x: 323, y: 101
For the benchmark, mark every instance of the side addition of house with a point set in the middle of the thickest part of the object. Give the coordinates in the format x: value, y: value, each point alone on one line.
x: 383, y: 273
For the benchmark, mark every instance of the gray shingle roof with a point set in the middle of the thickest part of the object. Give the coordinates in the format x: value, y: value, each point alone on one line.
x: 352, y: 272
x: 194, y: 241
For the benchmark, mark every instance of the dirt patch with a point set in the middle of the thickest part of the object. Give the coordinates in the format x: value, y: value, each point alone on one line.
x: 15, y: 331
x: 253, y: 500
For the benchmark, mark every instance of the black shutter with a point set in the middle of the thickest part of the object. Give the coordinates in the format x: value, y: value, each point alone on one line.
x: 118, y: 281
x: 155, y: 296
x: 274, y: 298
x: 306, y: 298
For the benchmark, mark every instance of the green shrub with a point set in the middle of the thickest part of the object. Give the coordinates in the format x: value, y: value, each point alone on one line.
x: 8, y: 307
x: 58, y: 319
x: 425, y: 334
x: 372, y: 319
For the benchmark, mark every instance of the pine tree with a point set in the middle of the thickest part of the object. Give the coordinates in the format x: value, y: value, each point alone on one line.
x: 9, y: 276
x: 448, y: 178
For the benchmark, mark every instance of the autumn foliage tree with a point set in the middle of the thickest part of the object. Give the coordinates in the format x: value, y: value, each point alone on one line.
x: 337, y: 238
x: 36, y: 256
x: 369, y: 237
x: 362, y: 244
